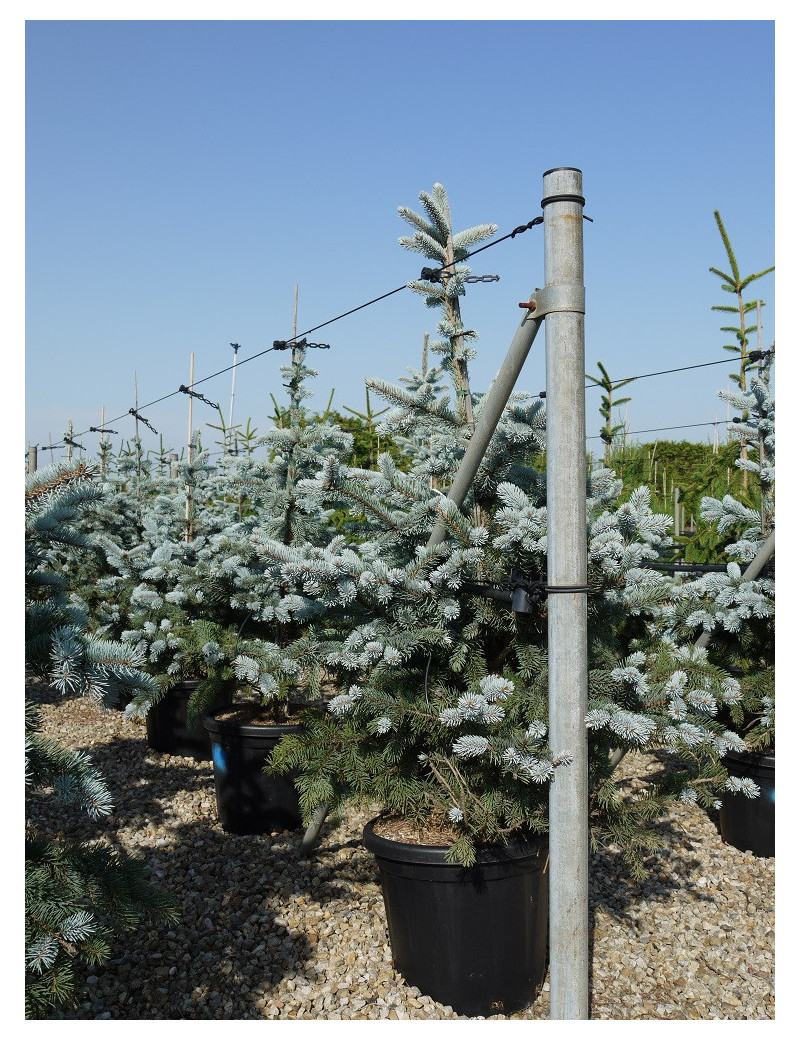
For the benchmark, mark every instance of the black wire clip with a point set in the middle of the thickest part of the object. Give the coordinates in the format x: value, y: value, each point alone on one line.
x: 438, y: 274
x: 135, y: 414
x: 526, y: 227
x: 193, y: 393
x: 284, y: 344
x: 97, y: 429
x: 73, y: 444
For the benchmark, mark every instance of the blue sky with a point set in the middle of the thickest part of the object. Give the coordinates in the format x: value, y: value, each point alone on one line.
x: 182, y: 177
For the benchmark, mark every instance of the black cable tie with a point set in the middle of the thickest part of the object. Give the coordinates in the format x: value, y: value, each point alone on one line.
x: 568, y: 198
x: 566, y: 588
x: 135, y: 414
x: 563, y: 198
x: 97, y: 429
x: 193, y: 393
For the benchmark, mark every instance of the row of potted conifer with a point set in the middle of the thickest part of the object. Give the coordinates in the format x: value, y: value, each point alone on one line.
x: 346, y: 662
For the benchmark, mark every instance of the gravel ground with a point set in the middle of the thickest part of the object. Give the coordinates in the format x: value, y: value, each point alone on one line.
x: 265, y: 935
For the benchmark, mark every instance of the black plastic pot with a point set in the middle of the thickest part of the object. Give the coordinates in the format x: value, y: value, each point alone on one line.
x: 472, y: 938
x: 167, y: 728
x: 248, y: 800
x: 749, y: 823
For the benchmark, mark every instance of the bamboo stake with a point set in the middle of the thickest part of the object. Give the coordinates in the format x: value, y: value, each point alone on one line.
x: 102, y: 429
x: 189, y: 499
x: 135, y: 405
x: 233, y: 385
x: 761, y: 455
x: 138, y: 449
x: 460, y: 368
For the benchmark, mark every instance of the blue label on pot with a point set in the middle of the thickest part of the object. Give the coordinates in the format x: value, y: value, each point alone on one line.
x: 218, y: 756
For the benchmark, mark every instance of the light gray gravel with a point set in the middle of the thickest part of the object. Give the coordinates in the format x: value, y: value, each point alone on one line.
x: 265, y: 935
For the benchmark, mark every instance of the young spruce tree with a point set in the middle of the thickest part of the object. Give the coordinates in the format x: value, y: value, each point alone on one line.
x: 443, y: 715
x: 78, y: 895
x: 734, y: 617
x: 205, y: 607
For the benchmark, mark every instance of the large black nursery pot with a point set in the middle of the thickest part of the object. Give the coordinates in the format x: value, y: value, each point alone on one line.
x: 473, y: 938
x: 749, y: 823
x: 168, y: 730
x: 248, y: 800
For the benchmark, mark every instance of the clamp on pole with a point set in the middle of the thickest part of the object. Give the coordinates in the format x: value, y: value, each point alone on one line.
x: 557, y: 298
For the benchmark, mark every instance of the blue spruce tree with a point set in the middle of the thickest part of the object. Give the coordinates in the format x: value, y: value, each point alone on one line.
x: 78, y: 895
x: 734, y: 617
x: 442, y: 716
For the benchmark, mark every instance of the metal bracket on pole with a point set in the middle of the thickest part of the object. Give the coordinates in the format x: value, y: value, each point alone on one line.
x: 558, y: 298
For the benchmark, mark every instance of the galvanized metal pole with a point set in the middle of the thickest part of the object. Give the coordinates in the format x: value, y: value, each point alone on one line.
x: 567, y: 566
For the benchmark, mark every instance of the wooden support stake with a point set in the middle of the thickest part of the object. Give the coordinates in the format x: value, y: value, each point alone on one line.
x: 189, y: 499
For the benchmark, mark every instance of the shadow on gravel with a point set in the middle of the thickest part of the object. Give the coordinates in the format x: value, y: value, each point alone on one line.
x: 614, y: 894
x: 232, y: 890
x: 237, y: 893
x: 141, y: 786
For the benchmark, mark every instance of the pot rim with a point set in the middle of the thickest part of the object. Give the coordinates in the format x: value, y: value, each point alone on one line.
x: 227, y: 726
x: 750, y: 757
x: 534, y: 845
